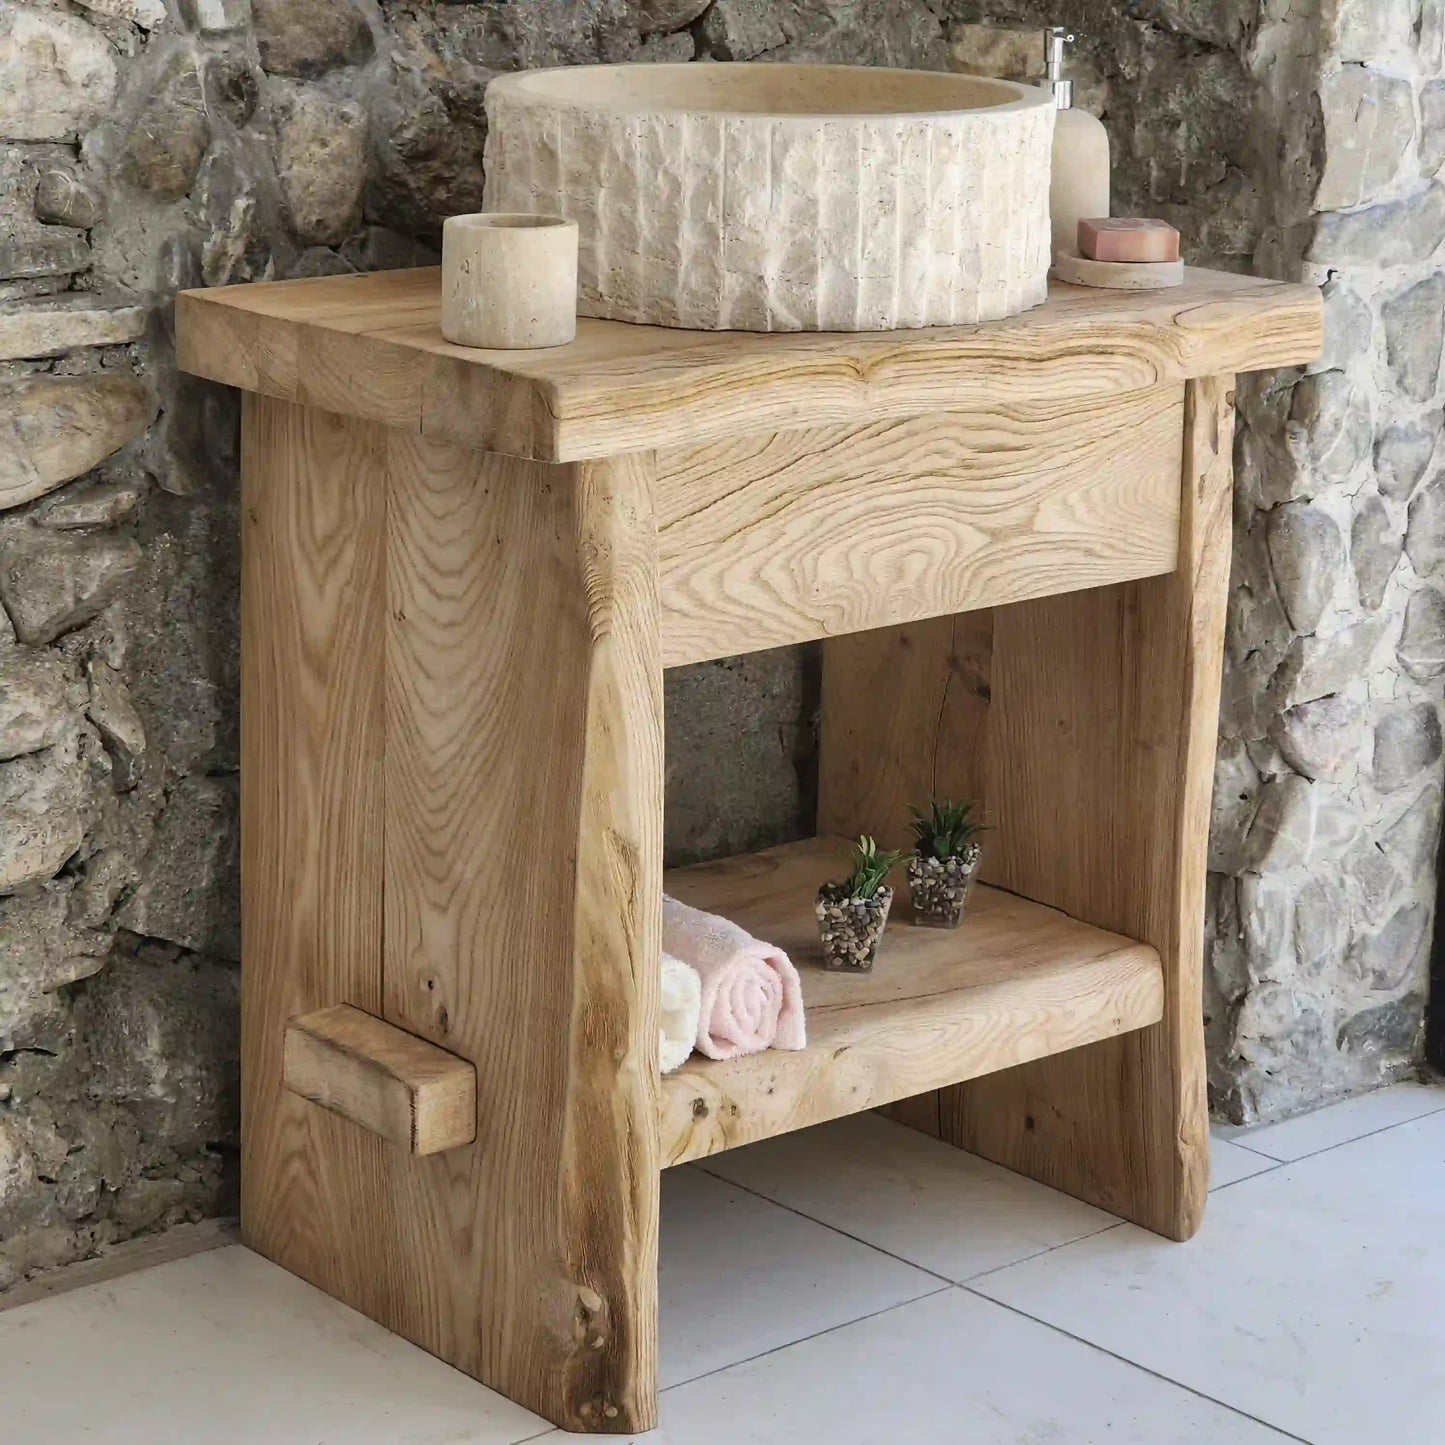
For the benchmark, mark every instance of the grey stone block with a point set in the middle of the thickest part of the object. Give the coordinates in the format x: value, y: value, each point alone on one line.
x: 661, y: 16
x: 1414, y: 334
x: 169, y: 137
x: 1403, y: 454
x: 57, y: 74
x: 189, y: 889
x: 162, y: 1031
x: 50, y: 588
x: 1386, y: 1031
x: 741, y: 29
x: 1425, y: 534
x: 1375, y: 545
x: 1320, y: 665
x: 62, y: 198
x: 1421, y: 650
x: 1330, y: 430
x: 1432, y: 126
x: 1321, y: 739
x: 40, y: 697
x: 1369, y: 120
x: 1407, y: 232
x: 1407, y: 741
x: 308, y: 37
x: 42, y: 821
x: 321, y: 158
x: 1307, y: 555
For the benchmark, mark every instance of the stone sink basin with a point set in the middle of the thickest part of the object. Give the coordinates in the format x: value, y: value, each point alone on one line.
x: 783, y: 197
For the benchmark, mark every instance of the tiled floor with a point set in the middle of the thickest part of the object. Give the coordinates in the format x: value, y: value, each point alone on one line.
x: 861, y: 1285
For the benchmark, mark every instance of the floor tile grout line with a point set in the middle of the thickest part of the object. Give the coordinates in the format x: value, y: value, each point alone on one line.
x: 803, y: 1339
x: 1271, y: 1166
x: 1135, y: 1364
x: 822, y: 1224
x: 1040, y: 1253
x: 1343, y: 1143
x: 1258, y: 1153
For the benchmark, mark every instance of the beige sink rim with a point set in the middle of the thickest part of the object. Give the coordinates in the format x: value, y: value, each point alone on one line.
x: 771, y: 92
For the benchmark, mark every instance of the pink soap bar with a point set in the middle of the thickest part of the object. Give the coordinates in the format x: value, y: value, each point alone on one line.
x: 1128, y: 239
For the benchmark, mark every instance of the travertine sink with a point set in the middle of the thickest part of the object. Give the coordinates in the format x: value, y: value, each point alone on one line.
x: 783, y: 197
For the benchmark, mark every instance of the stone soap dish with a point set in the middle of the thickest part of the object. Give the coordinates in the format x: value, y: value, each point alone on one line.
x: 1079, y: 270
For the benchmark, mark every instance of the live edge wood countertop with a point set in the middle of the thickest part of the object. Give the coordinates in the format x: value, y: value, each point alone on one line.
x: 370, y: 346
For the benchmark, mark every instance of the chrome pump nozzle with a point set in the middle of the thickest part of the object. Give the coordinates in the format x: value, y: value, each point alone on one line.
x: 1055, y: 39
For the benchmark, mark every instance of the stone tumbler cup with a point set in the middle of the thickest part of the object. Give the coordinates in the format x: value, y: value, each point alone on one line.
x: 509, y: 280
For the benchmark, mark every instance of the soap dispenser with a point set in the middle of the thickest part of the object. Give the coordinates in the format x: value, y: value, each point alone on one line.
x: 1079, y: 186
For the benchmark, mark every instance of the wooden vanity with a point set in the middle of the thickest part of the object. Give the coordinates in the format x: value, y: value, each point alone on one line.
x: 464, y: 575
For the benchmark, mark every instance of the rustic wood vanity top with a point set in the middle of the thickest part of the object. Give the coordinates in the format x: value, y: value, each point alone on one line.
x: 371, y: 347
x: 463, y: 575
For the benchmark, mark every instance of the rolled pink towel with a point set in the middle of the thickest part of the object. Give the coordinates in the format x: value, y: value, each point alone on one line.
x: 751, y: 997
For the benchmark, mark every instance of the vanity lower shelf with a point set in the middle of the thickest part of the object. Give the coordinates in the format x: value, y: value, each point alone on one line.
x: 1016, y: 982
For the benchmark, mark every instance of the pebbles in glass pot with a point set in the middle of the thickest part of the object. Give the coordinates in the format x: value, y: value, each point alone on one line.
x: 940, y: 887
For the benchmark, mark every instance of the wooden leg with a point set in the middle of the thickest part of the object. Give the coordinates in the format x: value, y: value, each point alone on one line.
x: 513, y: 862
x: 1095, y: 763
x: 313, y: 625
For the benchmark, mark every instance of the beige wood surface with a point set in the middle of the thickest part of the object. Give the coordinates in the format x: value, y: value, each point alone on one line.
x: 1015, y: 982
x: 412, y: 1093
x: 1093, y: 757
x: 523, y: 913
x: 312, y: 600
x: 878, y: 760
x: 371, y: 346
x: 772, y: 539
x: 1128, y: 1121
x: 498, y: 619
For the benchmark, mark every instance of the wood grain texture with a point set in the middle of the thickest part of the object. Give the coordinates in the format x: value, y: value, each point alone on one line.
x: 1016, y: 982
x: 904, y: 718
x: 313, y: 597
x: 371, y: 346
x: 523, y: 919
x: 1124, y: 1124
x: 417, y: 1096
x: 782, y: 538
x: 1094, y: 762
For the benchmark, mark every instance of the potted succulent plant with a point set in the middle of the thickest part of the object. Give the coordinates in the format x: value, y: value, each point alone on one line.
x: 853, y: 913
x: 944, y: 864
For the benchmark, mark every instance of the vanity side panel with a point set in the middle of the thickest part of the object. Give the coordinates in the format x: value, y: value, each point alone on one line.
x: 1086, y: 724
x: 1102, y: 743
x: 523, y: 912
x: 782, y: 538
x: 315, y: 1189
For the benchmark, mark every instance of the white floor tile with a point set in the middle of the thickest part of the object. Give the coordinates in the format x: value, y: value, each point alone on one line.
x: 1229, y: 1163
x: 1339, y: 1123
x: 1311, y: 1298
x: 227, y: 1348
x: 739, y: 1276
x: 948, y: 1370
x: 925, y: 1201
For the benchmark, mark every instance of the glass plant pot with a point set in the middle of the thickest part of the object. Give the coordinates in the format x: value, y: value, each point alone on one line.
x: 940, y: 887
x: 851, y: 927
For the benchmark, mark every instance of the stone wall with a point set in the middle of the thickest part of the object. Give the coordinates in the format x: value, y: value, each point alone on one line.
x: 148, y: 145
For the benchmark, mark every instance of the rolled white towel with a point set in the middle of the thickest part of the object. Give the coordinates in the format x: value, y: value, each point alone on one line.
x: 681, y: 1005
